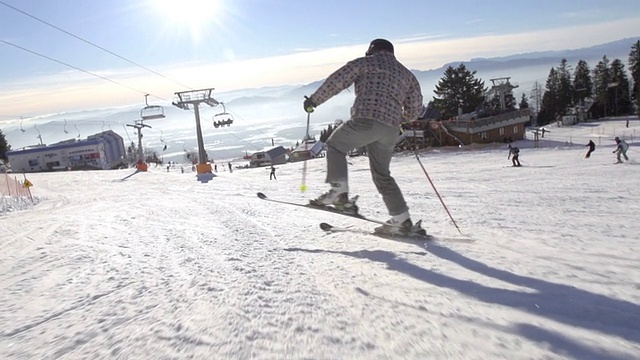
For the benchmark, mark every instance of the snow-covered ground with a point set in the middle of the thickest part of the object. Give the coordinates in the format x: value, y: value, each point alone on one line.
x: 161, y: 266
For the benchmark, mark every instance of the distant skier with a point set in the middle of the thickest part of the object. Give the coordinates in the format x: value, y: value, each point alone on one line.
x: 515, y: 152
x: 272, y: 175
x: 592, y: 148
x: 230, y: 169
x: 621, y: 150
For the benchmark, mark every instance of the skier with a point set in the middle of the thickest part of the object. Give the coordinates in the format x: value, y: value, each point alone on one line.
x: 621, y: 149
x: 387, y: 93
x: 272, y: 175
x: 515, y: 152
x: 230, y: 169
x: 592, y: 148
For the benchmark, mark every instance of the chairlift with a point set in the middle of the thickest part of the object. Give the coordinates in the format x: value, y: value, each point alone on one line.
x: 75, y: 126
x: 223, y: 118
x: 162, y: 141
x: 65, y: 127
x: 151, y: 112
x: 21, y: 128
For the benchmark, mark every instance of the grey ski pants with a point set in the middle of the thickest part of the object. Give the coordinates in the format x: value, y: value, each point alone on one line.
x: 380, y: 140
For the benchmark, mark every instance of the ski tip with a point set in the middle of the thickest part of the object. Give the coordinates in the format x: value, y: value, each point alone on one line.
x: 262, y: 196
x: 325, y: 226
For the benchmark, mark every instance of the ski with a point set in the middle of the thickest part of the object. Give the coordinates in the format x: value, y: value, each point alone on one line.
x: 322, y: 208
x: 411, y: 239
x: 408, y: 239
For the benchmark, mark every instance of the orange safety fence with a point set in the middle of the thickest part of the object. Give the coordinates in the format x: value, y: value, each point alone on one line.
x: 12, y: 187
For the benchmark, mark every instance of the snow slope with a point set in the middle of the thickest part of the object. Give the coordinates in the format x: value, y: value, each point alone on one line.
x: 161, y: 266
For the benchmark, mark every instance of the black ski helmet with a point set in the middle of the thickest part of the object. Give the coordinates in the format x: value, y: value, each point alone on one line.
x: 379, y: 45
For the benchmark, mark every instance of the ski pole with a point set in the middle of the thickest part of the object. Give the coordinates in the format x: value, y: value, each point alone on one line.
x: 303, y: 186
x: 415, y: 152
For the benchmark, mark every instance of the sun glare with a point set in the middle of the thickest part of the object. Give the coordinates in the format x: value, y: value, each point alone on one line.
x: 194, y: 15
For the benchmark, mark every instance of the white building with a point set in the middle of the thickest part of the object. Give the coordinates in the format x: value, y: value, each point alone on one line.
x: 273, y: 156
x: 309, y: 149
x: 99, y: 152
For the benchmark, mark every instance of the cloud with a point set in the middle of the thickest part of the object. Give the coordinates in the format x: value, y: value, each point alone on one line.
x: 474, y: 21
x: 587, y: 14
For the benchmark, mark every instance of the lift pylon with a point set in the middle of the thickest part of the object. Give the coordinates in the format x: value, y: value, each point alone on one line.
x: 138, y: 125
x: 193, y: 98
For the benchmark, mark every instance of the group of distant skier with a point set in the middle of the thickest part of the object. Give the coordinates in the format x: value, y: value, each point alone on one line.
x: 621, y: 151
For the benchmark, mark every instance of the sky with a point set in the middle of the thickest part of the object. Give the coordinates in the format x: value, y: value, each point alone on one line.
x: 162, y: 46
x: 158, y: 265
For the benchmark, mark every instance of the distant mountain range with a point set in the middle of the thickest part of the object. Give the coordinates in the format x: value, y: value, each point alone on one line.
x: 620, y: 48
x: 524, y: 69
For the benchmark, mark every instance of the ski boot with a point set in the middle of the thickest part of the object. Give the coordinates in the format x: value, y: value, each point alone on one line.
x: 337, y: 201
x: 401, y: 225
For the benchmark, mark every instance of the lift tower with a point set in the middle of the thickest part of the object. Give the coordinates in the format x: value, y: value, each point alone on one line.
x: 502, y: 87
x: 138, y: 125
x: 194, y: 98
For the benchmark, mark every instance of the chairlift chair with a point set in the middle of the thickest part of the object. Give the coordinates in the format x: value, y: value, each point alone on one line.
x: 151, y: 112
x: 223, y: 118
x: 162, y: 141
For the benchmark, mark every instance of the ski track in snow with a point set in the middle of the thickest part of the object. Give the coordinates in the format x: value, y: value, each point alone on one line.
x: 160, y: 266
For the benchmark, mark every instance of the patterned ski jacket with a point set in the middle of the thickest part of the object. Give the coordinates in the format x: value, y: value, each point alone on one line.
x: 385, y: 90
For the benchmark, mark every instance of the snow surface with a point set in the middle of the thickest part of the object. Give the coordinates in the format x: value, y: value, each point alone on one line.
x: 160, y: 266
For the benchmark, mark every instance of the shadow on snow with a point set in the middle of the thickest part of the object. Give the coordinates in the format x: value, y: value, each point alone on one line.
x: 562, y: 303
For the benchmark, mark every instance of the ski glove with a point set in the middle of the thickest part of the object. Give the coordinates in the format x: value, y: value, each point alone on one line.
x: 308, y: 105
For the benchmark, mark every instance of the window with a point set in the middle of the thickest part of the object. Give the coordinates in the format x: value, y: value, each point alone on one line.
x: 515, y: 129
x: 501, y: 131
x: 483, y: 135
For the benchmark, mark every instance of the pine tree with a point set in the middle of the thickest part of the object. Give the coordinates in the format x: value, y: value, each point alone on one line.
x: 4, y: 147
x: 619, y: 89
x: 550, y: 108
x: 524, y: 104
x: 582, y: 84
x: 324, y: 134
x: 601, y: 81
x: 565, y: 93
x: 634, y: 68
x: 458, y: 89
